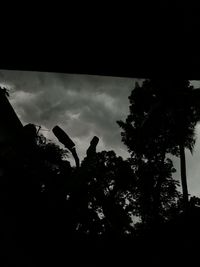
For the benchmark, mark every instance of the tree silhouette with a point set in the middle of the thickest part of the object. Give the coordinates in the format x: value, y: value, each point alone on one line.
x: 148, y: 151
x: 106, y: 194
x: 177, y: 103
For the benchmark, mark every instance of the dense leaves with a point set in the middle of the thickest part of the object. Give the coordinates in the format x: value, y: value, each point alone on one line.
x: 151, y: 132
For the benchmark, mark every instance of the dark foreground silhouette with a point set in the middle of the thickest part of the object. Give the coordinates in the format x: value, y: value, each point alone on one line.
x: 53, y: 213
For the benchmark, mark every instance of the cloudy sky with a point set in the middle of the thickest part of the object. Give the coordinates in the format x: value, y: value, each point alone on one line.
x: 84, y: 106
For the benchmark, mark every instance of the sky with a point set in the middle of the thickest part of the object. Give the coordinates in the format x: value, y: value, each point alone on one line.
x: 84, y: 106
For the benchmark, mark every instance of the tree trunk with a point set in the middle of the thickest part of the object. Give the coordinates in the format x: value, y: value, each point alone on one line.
x: 157, y: 194
x: 183, y: 175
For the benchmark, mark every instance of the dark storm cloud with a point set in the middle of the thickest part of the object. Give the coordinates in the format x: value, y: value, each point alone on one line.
x: 83, y: 105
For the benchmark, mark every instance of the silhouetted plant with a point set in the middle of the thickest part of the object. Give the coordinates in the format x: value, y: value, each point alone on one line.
x: 148, y: 151
x: 107, y: 198
x: 177, y: 105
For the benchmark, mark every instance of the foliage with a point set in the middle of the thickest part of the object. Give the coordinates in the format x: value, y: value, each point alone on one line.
x: 108, y: 183
x: 148, y: 144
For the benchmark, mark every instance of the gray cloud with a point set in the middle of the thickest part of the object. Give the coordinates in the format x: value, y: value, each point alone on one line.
x: 83, y: 105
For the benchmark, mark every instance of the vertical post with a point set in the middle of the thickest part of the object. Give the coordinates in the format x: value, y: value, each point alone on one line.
x: 183, y: 176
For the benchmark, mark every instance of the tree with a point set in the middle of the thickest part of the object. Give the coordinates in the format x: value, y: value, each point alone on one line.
x: 148, y: 151
x: 106, y: 199
x: 177, y: 103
